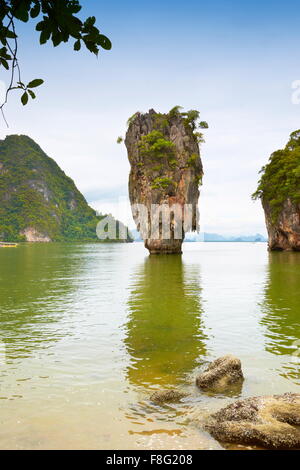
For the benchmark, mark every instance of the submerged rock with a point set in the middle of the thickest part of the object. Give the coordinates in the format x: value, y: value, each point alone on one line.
x: 167, y: 396
x: 268, y: 421
x: 220, y: 374
x: 166, y: 171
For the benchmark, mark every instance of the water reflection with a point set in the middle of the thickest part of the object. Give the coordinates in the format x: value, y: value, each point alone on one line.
x: 281, y: 308
x: 164, y: 333
x: 36, y: 286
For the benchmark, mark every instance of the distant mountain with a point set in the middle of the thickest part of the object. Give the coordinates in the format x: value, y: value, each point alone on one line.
x: 38, y: 202
x: 215, y: 237
x: 136, y: 235
x: 211, y: 237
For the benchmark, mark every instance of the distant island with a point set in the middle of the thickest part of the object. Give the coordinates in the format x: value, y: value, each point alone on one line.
x: 38, y: 201
x: 212, y: 237
x: 215, y: 237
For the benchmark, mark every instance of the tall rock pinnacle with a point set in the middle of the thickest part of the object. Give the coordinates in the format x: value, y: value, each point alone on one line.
x: 166, y: 171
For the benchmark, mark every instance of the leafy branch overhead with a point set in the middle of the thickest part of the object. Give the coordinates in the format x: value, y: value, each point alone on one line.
x: 58, y: 23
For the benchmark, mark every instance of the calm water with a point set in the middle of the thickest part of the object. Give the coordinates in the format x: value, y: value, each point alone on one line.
x: 89, y: 331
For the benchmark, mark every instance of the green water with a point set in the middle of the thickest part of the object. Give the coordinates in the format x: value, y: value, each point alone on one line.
x: 89, y: 331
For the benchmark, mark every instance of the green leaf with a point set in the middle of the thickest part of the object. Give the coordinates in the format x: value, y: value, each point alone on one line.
x: 35, y: 83
x: 91, y: 46
x: 40, y: 26
x: 56, y: 39
x: 4, y: 54
x: 74, y: 6
x: 90, y: 21
x: 10, y: 34
x: 104, y: 42
x: 21, y: 11
x: 35, y: 11
x: 65, y: 36
x: 45, y: 36
x: 203, y: 125
x: 77, y: 45
x: 24, y: 98
x: 4, y: 63
x: 33, y: 96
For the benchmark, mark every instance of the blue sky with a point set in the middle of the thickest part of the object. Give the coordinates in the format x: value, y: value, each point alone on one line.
x: 233, y: 61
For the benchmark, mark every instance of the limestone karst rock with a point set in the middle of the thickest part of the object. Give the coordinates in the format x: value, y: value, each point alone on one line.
x: 167, y: 396
x: 166, y: 171
x: 221, y: 374
x: 270, y: 421
x: 38, y: 201
x: 279, y: 191
x: 284, y: 233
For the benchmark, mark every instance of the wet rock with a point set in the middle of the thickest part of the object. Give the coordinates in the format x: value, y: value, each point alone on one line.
x: 167, y: 396
x: 221, y: 374
x: 268, y: 421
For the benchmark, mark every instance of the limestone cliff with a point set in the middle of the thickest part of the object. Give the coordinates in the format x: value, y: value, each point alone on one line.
x: 166, y: 170
x: 284, y: 233
x: 279, y: 191
x: 38, y: 201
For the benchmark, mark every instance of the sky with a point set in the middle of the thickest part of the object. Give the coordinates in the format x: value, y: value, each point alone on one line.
x: 233, y: 61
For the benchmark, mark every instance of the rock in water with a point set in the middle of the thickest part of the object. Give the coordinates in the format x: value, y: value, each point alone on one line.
x: 220, y: 374
x: 279, y: 191
x: 167, y: 396
x: 268, y: 421
x: 166, y: 170
x: 284, y: 232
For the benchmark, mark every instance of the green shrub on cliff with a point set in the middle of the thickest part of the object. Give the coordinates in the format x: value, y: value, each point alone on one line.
x: 192, y: 160
x: 132, y: 118
x: 154, y: 145
x: 174, y: 112
x: 280, y: 178
x: 162, y: 183
x: 190, y: 120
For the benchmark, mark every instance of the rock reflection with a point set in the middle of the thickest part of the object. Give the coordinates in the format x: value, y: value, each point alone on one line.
x: 281, y: 309
x: 36, y: 284
x: 164, y: 333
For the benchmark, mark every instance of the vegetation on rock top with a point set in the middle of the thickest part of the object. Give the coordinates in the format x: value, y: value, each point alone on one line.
x: 159, y: 151
x: 280, y: 178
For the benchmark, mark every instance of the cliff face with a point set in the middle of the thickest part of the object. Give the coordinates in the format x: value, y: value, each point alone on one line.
x: 284, y: 233
x: 38, y: 201
x: 279, y: 191
x: 166, y: 170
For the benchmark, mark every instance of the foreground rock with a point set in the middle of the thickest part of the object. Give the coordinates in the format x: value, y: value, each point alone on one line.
x: 166, y: 171
x: 264, y: 421
x: 167, y: 396
x: 221, y: 374
x: 278, y: 190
